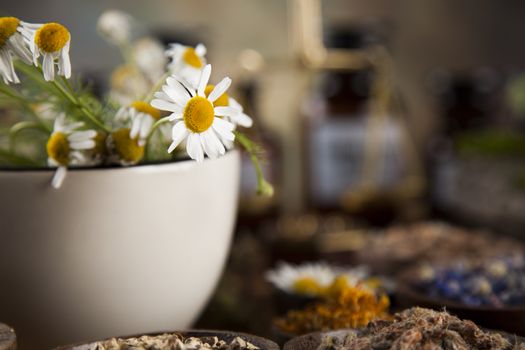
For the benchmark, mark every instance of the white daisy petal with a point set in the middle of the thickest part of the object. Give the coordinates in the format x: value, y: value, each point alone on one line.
x: 208, y: 145
x: 175, y: 95
x: 197, y: 147
x: 177, y: 85
x: 135, y: 125
x: 190, y: 146
x: 174, y: 116
x: 225, y: 134
x: 243, y: 120
x: 203, y: 81
x: 226, y: 111
x: 145, y: 126
x: 233, y: 103
x: 187, y: 86
x: 178, y: 133
x: 59, y: 177
x: 165, y: 105
x: 200, y: 50
x: 215, y: 142
x: 88, y: 144
x: 64, y: 63
x: 16, y: 43
x: 161, y: 95
x: 223, y: 124
x: 220, y: 89
x: 82, y: 135
x: 48, y: 66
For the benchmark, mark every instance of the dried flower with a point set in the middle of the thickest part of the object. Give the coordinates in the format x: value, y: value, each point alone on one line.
x: 197, y: 120
x: 52, y: 41
x: 347, y: 307
x: 419, y: 328
x: 11, y: 45
x: 172, y: 342
x: 115, y: 26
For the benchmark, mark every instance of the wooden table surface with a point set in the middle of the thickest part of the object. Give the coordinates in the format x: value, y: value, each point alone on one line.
x: 7, y: 338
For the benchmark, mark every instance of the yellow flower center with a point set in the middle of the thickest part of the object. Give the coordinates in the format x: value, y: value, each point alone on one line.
x: 8, y: 26
x: 223, y: 99
x: 128, y: 149
x: 51, y: 37
x: 121, y: 75
x: 339, y: 284
x: 58, y: 148
x: 145, y: 107
x: 190, y: 57
x: 198, y: 114
x: 308, y: 286
x: 100, y: 144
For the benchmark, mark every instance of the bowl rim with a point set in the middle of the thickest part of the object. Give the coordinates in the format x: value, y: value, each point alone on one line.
x: 185, y: 161
x: 271, y: 345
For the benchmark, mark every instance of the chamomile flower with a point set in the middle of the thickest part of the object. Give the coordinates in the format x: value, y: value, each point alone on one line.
x: 225, y: 100
x: 69, y: 146
x: 52, y: 41
x: 141, y: 116
x: 148, y: 54
x: 115, y: 26
x: 11, y: 44
x: 127, y: 84
x: 312, y: 278
x: 187, y: 62
x: 195, y: 117
x: 123, y: 149
x: 240, y: 118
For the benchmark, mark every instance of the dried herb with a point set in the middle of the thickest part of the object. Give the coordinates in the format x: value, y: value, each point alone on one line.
x: 347, y: 307
x: 419, y: 328
x: 172, y: 341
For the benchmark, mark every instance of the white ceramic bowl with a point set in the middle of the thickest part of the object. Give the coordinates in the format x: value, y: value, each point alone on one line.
x: 114, y: 251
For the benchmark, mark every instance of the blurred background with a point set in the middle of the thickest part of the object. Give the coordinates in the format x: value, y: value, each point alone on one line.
x: 373, y: 113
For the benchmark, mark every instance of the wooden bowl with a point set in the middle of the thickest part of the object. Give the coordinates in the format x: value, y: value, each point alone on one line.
x: 508, y: 319
x: 262, y: 343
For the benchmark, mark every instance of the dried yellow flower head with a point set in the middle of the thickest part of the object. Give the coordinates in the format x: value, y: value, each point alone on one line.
x: 58, y: 148
x: 8, y: 26
x: 145, y: 107
x: 307, y: 286
x: 127, y: 149
x: 351, y: 307
x: 51, y: 37
x: 191, y: 58
x: 100, y: 144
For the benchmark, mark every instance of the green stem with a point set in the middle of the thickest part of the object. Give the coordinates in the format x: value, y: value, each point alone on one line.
x: 36, y: 74
x: 21, y: 126
x: 17, y: 160
x: 69, y: 94
x: 264, y: 188
x: 24, y: 103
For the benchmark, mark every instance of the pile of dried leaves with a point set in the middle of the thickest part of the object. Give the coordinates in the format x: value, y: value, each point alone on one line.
x: 172, y: 341
x: 419, y: 328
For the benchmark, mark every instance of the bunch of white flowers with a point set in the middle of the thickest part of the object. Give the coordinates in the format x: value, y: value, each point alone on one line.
x: 177, y: 103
